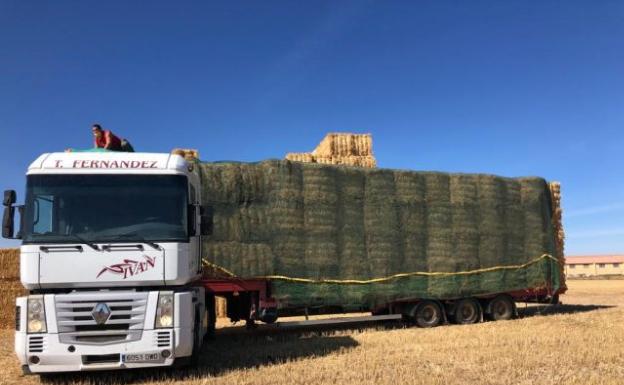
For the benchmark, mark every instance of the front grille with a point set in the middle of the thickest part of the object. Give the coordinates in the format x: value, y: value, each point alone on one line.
x: 163, y: 339
x: 76, y: 322
x: 36, y: 344
x: 100, y: 339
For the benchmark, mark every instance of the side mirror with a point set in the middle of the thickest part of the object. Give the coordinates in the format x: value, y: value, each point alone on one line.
x: 9, y: 197
x: 207, y: 222
x: 8, y: 221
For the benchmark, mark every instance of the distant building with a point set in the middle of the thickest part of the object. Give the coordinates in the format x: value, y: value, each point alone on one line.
x: 587, y: 266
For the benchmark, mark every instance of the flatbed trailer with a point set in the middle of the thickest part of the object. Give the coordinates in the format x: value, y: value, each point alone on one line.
x: 251, y: 301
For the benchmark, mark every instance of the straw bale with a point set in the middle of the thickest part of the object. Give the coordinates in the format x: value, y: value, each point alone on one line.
x: 300, y: 157
x: 350, y: 182
x: 319, y: 219
x: 323, y: 159
x: 538, y: 230
x: 285, y: 217
x: 415, y: 251
x: 557, y: 213
x: 283, y: 183
x: 380, y: 187
x: 363, y: 145
x: 409, y: 187
x: 221, y: 307
x: 350, y: 227
x: 9, y: 264
x: 289, y: 252
x: 257, y: 259
x: 353, y: 256
x: 361, y: 161
x: 321, y: 255
x: 10, y: 289
x: 224, y: 254
x: 249, y: 223
x: 319, y: 185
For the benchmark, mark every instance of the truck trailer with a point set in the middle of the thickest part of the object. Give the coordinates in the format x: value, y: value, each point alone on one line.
x: 123, y: 254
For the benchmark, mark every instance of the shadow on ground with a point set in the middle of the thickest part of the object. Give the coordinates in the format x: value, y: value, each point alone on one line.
x: 227, y: 352
x: 236, y: 348
x: 536, y: 310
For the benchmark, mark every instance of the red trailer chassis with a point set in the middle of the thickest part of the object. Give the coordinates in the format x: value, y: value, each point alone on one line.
x: 251, y: 300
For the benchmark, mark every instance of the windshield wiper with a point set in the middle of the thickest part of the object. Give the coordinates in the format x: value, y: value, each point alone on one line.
x: 139, y: 238
x: 90, y: 244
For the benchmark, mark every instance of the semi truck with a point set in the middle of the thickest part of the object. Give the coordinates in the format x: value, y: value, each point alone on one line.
x: 117, y: 265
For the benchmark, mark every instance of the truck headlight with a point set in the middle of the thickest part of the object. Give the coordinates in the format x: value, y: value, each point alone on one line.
x: 164, y: 310
x: 36, y: 314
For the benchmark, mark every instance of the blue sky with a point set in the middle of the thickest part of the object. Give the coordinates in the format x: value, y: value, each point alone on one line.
x: 512, y: 88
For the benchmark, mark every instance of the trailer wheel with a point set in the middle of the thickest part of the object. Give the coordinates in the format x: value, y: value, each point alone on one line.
x: 467, y: 311
x: 427, y: 314
x: 501, y: 308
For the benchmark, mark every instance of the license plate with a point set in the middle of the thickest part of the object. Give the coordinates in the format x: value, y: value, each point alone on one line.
x: 141, y: 357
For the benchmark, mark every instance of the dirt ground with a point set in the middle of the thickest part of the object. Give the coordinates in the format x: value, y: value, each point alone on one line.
x: 579, y: 342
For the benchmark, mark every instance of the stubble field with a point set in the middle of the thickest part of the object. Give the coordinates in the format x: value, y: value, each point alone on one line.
x: 580, y: 342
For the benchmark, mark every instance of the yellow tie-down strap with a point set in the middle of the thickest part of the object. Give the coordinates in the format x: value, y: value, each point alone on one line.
x: 388, y: 278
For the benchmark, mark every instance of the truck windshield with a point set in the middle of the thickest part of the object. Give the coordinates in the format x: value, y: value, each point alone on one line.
x: 105, y: 208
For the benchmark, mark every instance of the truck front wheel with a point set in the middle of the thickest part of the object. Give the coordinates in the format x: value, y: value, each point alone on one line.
x: 197, y: 338
x: 193, y: 359
x: 211, y: 317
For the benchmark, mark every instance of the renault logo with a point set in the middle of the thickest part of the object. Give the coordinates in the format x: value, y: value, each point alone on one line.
x: 100, y: 313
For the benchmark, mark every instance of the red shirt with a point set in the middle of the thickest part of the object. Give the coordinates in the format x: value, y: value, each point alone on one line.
x: 108, y: 137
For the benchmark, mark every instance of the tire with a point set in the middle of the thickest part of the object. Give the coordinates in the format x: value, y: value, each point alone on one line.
x: 427, y: 314
x: 467, y: 311
x: 193, y: 359
x: 212, y: 317
x: 501, y: 308
x: 197, y: 339
x: 268, y: 316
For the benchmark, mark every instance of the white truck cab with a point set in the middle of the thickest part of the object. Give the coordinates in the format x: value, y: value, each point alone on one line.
x: 111, y: 256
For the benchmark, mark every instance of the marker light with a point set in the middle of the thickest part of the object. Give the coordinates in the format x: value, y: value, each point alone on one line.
x: 36, y: 314
x: 164, y: 310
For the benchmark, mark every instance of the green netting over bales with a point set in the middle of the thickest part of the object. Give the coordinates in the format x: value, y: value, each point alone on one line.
x: 321, y: 222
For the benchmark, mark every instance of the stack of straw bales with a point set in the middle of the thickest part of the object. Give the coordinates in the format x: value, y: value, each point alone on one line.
x: 10, y: 286
x: 315, y: 221
x: 341, y: 149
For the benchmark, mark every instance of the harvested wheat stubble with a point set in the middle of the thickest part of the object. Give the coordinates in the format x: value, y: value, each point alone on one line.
x: 324, y: 222
x: 9, y: 264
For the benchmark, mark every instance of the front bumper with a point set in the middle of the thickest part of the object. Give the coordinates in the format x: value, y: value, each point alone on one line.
x: 52, y: 355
